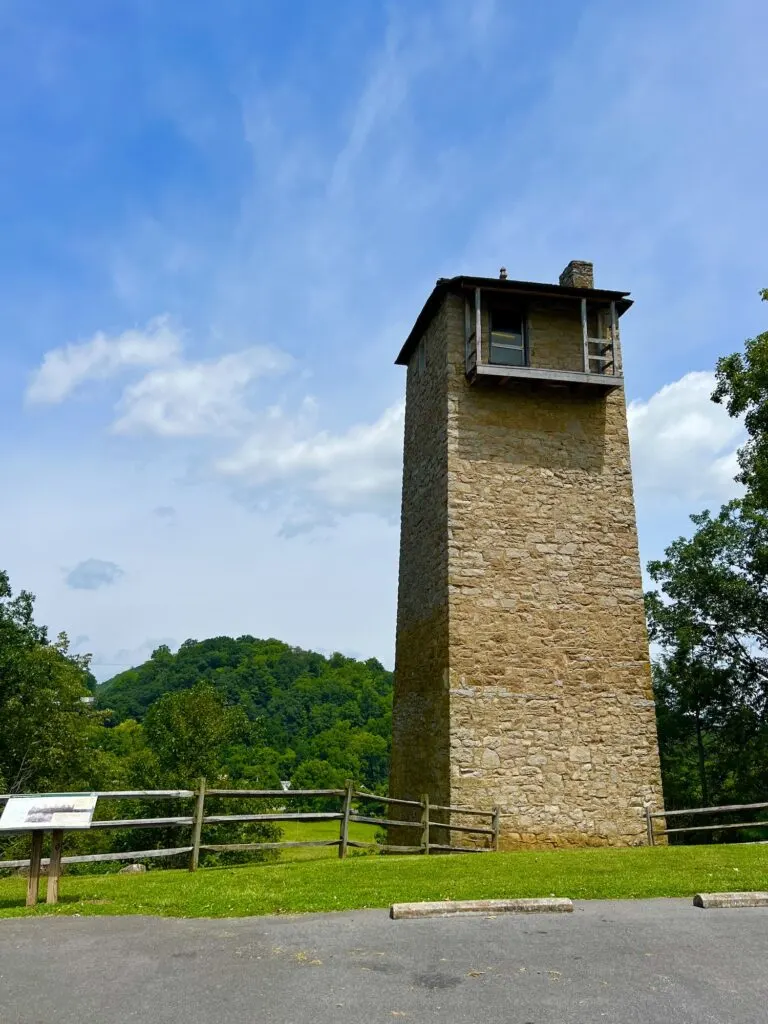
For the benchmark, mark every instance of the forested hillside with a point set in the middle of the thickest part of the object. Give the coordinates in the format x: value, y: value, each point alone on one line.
x: 307, y: 718
x: 244, y: 713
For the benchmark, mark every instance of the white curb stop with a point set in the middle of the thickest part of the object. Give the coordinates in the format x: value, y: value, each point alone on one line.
x: 453, y: 908
x: 723, y: 900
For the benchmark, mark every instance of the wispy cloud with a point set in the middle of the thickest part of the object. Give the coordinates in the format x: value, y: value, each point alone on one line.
x: 65, y: 369
x: 197, y: 399
x: 384, y: 92
x: 180, y: 397
x: 359, y: 470
x: 269, y: 446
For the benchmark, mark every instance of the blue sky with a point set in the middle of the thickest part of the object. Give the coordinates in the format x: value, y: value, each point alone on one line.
x: 219, y: 221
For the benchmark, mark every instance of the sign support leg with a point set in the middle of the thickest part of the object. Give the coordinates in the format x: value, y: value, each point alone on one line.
x: 54, y: 866
x: 33, y: 881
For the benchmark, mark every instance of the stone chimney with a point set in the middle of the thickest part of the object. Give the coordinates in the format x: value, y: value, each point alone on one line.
x: 578, y: 274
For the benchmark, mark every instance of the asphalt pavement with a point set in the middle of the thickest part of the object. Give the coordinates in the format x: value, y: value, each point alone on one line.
x: 643, y: 962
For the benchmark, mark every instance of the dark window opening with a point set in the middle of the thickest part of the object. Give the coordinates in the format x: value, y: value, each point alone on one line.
x: 507, y: 333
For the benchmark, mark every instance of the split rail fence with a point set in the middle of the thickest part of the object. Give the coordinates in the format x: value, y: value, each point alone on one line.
x: 652, y: 816
x: 423, y: 817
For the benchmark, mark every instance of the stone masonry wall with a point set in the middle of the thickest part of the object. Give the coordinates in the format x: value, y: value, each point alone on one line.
x: 551, y: 708
x: 420, y: 727
x: 522, y: 670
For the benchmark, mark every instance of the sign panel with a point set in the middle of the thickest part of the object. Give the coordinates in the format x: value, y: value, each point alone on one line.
x: 48, y: 811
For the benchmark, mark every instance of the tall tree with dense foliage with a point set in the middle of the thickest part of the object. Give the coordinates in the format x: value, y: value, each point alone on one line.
x: 709, y: 619
x: 742, y: 386
x: 46, y: 728
x: 189, y: 733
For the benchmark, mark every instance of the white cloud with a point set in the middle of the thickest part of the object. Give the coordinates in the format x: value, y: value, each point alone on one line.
x: 312, y: 470
x: 194, y: 399
x: 64, y: 369
x: 683, y: 444
x: 178, y: 397
x: 359, y: 470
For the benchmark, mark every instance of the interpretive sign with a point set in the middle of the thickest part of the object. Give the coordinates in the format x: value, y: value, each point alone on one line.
x: 48, y: 811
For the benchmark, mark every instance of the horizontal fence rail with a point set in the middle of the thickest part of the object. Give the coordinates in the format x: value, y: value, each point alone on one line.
x: 123, y: 794
x: 279, y: 793
x: 143, y: 823
x: 222, y: 819
x: 395, y: 801
x: 94, y: 858
x: 652, y: 816
x: 364, y: 820
x: 349, y: 811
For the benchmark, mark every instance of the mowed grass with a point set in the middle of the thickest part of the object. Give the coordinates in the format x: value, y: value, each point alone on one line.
x: 316, y: 831
x: 323, y: 885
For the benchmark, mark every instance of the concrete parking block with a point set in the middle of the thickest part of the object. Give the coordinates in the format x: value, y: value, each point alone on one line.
x: 449, y: 908
x: 724, y: 900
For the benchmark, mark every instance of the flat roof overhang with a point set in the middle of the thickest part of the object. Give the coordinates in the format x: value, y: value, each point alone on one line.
x: 532, y: 289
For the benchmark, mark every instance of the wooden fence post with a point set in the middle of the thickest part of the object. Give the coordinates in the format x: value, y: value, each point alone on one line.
x: 54, y: 866
x: 344, y: 826
x: 197, y: 824
x: 33, y: 881
x: 496, y: 826
x: 425, y: 822
x: 649, y: 825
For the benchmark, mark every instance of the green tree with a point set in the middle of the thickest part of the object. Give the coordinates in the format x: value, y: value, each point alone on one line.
x: 189, y: 732
x: 709, y: 619
x: 317, y: 774
x: 742, y: 385
x: 47, y: 726
x: 692, y: 703
x: 712, y: 608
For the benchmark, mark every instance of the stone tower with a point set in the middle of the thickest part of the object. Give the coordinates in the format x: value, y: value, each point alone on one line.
x: 522, y: 668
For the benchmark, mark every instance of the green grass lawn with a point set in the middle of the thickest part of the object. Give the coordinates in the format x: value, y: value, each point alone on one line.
x: 313, y: 831
x: 329, y: 884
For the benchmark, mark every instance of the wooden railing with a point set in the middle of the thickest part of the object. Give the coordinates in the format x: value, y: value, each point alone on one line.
x: 349, y: 811
x: 653, y: 832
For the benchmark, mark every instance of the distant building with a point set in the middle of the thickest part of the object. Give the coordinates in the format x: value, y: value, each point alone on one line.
x: 522, y: 667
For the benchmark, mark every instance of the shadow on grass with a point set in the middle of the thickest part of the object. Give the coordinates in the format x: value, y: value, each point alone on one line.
x: 18, y: 903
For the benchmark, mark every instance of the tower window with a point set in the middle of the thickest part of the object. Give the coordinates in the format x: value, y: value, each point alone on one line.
x: 507, y: 337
